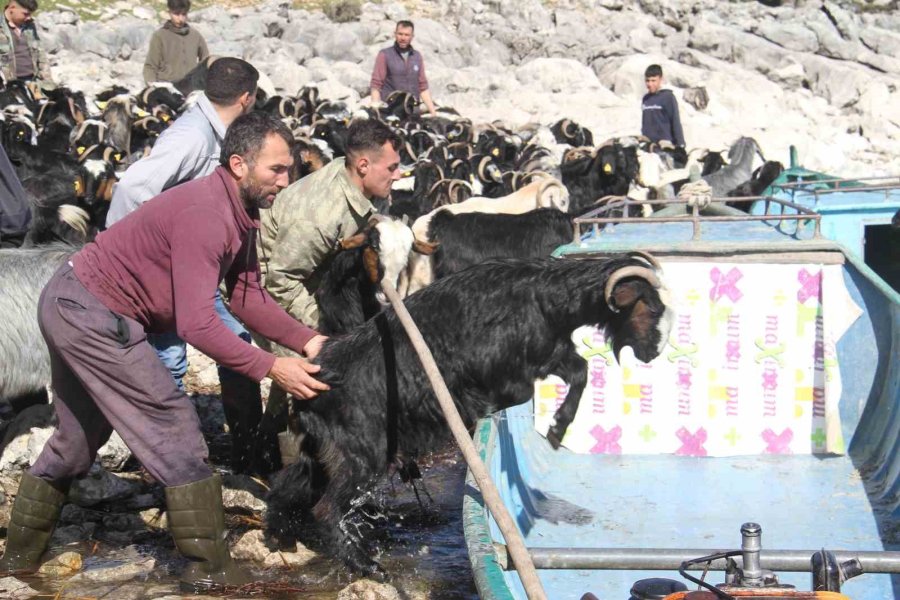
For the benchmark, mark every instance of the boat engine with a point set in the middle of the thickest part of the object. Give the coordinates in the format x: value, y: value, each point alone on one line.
x: 750, y: 579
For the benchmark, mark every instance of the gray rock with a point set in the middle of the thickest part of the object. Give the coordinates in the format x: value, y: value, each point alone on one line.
x: 366, y: 589
x: 72, y: 534
x: 242, y: 501
x: 251, y: 546
x: 24, y: 450
x: 696, y: 97
x: 142, y: 12
x: 100, y: 486
x: 13, y: 589
x: 125, y: 572
x: 57, y: 17
x: 114, y: 453
x: 340, y: 44
x: 793, y: 36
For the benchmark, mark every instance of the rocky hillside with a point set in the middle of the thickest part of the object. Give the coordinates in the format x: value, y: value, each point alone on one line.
x: 817, y: 74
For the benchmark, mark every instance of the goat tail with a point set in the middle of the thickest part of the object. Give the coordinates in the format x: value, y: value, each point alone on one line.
x: 75, y: 217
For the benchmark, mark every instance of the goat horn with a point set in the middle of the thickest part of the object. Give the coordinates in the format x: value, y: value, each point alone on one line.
x: 545, y: 185
x: 624, y: 272
x: 481, y: 166
x: 648, y: 257
x: 566, y: 125
x: 281, y: 111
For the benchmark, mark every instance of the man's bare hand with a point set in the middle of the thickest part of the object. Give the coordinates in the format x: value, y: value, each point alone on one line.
x: 314, y: 346
x: 295, y: 376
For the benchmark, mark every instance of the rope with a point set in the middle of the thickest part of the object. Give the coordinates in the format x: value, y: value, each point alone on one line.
x: 517, y: 550
x: 696, y: 193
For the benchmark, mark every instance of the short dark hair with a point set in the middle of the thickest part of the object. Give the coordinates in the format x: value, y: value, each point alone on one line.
x: 369, y: 135
x: 653, y: 71
x: 247, y: 134
x: 405, y: 24
x: 230, y: 78
x: 29, y: 5
x: 178, y: 6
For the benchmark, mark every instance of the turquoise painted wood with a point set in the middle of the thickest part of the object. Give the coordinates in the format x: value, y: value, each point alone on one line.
x: 849, y: 502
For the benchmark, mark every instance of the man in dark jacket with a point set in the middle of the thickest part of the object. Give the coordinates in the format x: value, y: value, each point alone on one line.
x: 176, y: 47
x: 21, y: 55
x: 660, y: 120
x: 401, y: 68
x: 158, y: 270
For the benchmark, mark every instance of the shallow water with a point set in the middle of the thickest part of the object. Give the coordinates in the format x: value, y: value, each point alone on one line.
x: 422, y: 548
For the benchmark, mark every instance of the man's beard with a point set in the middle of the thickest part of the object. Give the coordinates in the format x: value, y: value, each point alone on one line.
x: 253, y: 196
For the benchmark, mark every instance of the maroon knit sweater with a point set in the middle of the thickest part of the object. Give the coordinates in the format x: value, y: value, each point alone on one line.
x: 162, y: 263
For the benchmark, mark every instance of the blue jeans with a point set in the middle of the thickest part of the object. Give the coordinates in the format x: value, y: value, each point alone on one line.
x: 172, y: 350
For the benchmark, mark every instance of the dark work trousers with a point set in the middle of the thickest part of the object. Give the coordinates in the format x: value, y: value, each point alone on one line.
x: 105, y: 376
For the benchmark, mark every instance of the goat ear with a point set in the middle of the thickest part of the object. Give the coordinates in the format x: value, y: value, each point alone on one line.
x: 353, y: 242
x: 370, y: 261
x: 424, y: 247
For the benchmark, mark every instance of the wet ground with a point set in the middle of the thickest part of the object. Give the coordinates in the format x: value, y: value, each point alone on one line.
x: 421, y: 546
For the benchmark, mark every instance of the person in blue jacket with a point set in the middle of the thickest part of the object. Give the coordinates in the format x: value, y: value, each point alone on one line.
x: 660, y: 119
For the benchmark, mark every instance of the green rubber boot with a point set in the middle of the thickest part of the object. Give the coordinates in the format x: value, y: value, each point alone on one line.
x: 33, y: 518
x: 197, y: 522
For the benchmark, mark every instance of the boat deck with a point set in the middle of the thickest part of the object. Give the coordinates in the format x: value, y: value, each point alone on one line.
x: 802, y: 502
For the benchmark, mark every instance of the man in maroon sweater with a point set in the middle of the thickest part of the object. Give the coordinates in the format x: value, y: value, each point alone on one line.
x: 156, y: 271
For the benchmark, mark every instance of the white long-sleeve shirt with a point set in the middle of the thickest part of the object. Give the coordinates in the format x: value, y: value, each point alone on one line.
x: 187, y: 150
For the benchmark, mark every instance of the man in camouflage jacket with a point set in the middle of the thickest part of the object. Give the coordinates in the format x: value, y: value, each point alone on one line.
x: 301, y: 232
x: 21, y: 55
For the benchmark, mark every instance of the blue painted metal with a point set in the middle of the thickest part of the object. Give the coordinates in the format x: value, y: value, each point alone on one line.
x: 851, y: 502
x: 847, y: 206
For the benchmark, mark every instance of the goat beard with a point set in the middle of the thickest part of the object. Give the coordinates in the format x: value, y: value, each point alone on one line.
x: 254, y: 197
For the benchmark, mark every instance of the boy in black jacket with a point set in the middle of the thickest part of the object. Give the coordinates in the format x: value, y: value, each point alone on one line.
x: 660, y: 120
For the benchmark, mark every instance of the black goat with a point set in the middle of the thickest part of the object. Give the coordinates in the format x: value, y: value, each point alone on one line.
x: 349, y: 293
x: 566, y: 131
x: 493, y: 329
x: 607, y: 171
x: 467, y: 239
x: 759, y: 181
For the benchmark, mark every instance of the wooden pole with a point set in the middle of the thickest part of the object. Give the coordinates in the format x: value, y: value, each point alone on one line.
x: 514, y: 542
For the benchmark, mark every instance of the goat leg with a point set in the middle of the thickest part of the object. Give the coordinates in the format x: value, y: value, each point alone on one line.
x: 573, y: 369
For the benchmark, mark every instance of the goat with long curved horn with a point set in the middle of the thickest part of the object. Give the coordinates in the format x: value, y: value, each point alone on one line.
x: 623, y: 273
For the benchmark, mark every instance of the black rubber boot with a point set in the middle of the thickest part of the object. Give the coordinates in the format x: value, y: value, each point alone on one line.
x: 34, y: 516
x: 197, y: 522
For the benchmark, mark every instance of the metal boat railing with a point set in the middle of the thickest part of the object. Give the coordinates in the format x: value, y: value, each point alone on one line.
x: 812, y: 187
x: 773, y: 210
x: 669, y: 559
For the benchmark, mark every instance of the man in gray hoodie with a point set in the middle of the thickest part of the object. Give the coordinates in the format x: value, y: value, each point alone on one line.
x: 176, y: 47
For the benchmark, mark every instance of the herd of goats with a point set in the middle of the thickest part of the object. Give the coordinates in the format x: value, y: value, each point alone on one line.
x: 471, y: 193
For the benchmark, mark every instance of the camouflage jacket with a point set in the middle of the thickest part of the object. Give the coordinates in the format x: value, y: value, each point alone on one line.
x: 300, y: 234
x: 38, y: 57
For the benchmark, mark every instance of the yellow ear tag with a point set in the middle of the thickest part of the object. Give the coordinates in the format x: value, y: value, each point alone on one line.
x: 496, y: 151
x: 77, y: 187
x: 141, y: 113
x: 118, y: 157
x: 101, y: 104
x: 607, y: 168
x: 164, y: 117
x: 80, y: 150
